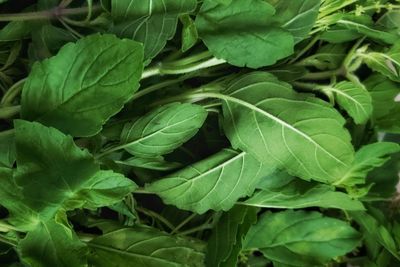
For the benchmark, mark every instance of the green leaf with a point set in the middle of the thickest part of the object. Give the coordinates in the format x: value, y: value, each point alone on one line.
x: 94, y: 84
x: 15, y: 30
x: 54, y: 174
x: 387, y: 63
x: 298, y: 17
x: 280, y: 127
x: 364, y: 26
x: 295, y: 193
x: 139, y: 246
x: 301, y: 238
x: 216, y: 182
x: 157, y: 163
x: 329, y: 56
x: 225, y: 242
x: 47, y: 246
x: 354, y: 98
x: 385, y: 109
x: 337, y: 35
x: 162, y: 130
x: 243, y: 33
x: 189, y: 33
x: 152, y: 23
x: 390, y: 20
x: 367, y: 158
x: 7, y: 148
x: 378, y: 232
x: 383, y: 93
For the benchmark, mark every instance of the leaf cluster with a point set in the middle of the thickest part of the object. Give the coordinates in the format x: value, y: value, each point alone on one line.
x: 199, y: 133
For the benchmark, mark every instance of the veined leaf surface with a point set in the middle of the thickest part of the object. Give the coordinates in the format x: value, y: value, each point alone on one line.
x: 354, y: 98
x: 216, y: 182
x: 150, y: 22
x: 86, y: 83
x: 54, y: 174
x: 162, y: 130
x: 139, y: 246
x: 242, y: 33
x: 267, y: 119
x: 301, y: 238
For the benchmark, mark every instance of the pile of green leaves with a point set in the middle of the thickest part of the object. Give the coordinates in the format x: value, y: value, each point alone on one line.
x: 166, y: 133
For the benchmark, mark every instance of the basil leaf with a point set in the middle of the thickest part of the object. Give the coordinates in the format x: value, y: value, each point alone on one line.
x: 301, y: 238
x: 296, y: 194
x: 53, y: 174
x: 143, y: 246
x: 47, y: 244
x: 286, y: 128
x: 354, y: 98
x: 242, y: 33
x: 15, y: 30
x: 162, y: 130
x: 189, y: 32
x: 388, y: 64
x: 367, y: 158
x: 216, y: 182
x: 78, y: 100
x: 152, y: 23
x: 298, y: 17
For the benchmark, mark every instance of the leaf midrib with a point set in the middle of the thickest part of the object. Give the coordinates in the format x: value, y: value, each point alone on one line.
x: 276, y: 119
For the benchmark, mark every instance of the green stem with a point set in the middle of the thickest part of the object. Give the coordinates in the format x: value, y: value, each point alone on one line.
x: 9, y: 112
x: 142, y: 191
x: 12, y: 93
x: 111, y: 150
x: 196, y: 229
x: 183, y: 223
x: 172, y: 69
x: 5, y: 227
x: 7, y: 133
x: 190, y: 59
x: 323, y: 75
x: 305, y: 49
x: 47, y: 14
x: 76, y: 34
x: 308, y: 86
x: 157, y: 216
x: 156, y: 87
x: 8, y: 241
x: 350, y: 54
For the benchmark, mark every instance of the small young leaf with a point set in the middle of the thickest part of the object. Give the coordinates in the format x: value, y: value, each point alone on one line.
x: 354, y: 98
x: 143, y: 247
x: 189, y: 33
x: 366, y: 159
x: 47, y: 246
x: 216, y: 182
x: 163, y: 129
x: 301, y: 238
x: 387, y: 63
x: 86, y: 83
